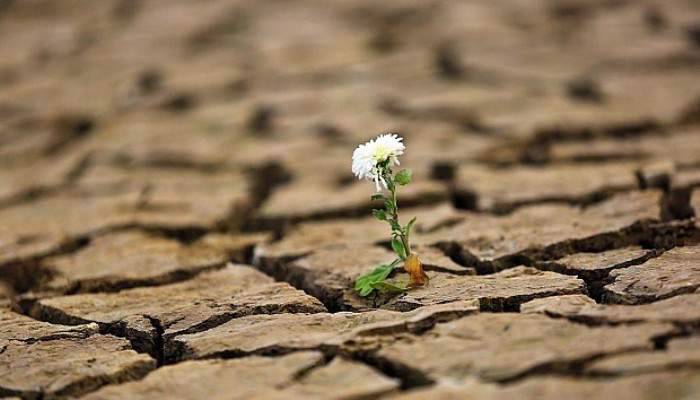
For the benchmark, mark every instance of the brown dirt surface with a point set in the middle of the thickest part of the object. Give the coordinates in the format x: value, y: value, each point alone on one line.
x: 179, y: 219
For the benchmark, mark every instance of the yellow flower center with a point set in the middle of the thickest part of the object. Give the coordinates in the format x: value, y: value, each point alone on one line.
x: 381, y: 153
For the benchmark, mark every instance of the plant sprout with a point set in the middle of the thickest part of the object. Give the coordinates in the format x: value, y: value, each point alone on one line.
x: 374, y: 161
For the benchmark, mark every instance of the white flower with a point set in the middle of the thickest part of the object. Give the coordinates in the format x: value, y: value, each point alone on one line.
x: 368, y: 156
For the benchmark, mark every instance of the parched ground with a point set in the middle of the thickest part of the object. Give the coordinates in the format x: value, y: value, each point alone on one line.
x: 178, y: 219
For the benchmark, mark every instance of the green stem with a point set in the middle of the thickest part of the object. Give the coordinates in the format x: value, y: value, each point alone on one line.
x: 395, y: 210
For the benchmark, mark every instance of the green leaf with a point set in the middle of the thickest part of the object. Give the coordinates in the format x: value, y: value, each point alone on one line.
x: 379, y: 214
x: 377, y: 197
x: 364, y: 285
x: 410, y: 225
x: 366, y: 290
x: 398, y: 247
x: 403, y: 177
x: 389, y: 205
x: 388, y: 287
x: 389, y: 183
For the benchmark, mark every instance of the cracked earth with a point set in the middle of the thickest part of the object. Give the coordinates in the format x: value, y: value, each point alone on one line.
x: 178, y: 219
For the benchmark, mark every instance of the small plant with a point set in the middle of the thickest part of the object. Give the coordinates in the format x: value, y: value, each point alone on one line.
x: 374, y: 161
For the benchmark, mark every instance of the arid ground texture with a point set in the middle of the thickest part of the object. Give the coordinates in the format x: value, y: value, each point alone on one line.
x: 178, y: 217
